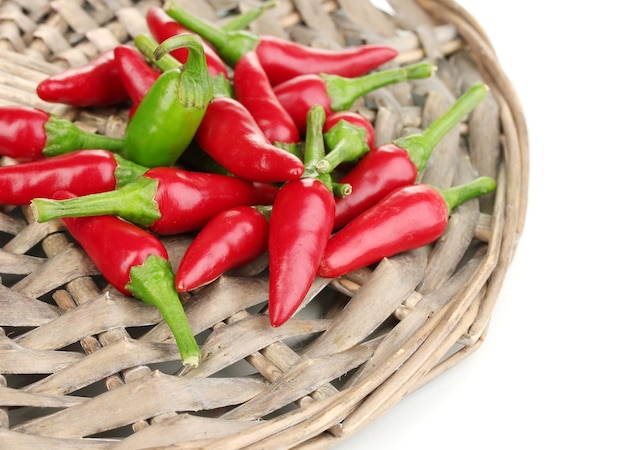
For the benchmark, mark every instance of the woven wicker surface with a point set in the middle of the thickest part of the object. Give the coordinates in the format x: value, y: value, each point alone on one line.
x: 82, y: 366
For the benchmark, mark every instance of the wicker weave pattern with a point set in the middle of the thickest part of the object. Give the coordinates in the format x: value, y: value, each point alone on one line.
x: 82, y: 366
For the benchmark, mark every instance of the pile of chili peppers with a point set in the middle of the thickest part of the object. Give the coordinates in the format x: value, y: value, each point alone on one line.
x: 246, y: 142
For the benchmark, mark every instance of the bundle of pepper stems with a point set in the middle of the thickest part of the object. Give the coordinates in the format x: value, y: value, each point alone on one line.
x: 246, y: 141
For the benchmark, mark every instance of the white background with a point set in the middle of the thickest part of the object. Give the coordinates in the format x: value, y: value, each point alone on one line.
x: 551, y: 371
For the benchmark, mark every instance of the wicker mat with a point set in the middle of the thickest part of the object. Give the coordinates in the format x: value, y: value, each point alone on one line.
x: 82, y: 366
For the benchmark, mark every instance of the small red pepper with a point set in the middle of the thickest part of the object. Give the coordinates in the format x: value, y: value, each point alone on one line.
x: 338, y: 93
x: 165, y: 200
x: 283, y: 59
x: 408, y: 218
x: 231, y: 239
x: 135, y: 72
x: 390, y: 166
x: 162, y: 27
x: 82, y: 172
x: 300, y: 224
x: 253, y: 90
x: 28, y: 134
x: 230, y: 135
x: 96, y: 83
x: 136, y: 263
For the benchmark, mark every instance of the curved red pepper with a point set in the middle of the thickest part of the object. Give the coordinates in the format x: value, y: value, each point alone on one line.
x: 82, y: 172
x: 135, y: 263
x: 254, y: 91
x: 337, y: 93
x: 96, y: 83
x: 397, y: 164
x: 162, y: 27
x: 230, y: 135
x: 166, y: 200
x: 28, y: 133
x: 136, y: 73
x: 300, y: 224
x: 231, y: 239
x: 408, y: 218
x: 283, y: 59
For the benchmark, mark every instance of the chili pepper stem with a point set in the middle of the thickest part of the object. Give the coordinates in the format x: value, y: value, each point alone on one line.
x: 146, y: 44
x: 347, y: 142
x: 314, y: 148
x: 344, y: 91
x: 127, y: 171
x: 153, y: 282
x: 244, y: 19
x: 421, y: 145
x: 133, y: 202
x: 229, y: 44
x: 63, y: 134
x: 456, y: 195
x: 195, y: 81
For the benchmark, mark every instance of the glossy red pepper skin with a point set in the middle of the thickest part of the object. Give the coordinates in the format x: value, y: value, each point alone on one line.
x: 165, y: 200
x: 162, y: 27
x: 82, y: 172
x: 22, y: 132
x: 136, y: 73
x: 94, y: 84
x: 230, y: 135
x: 253, y: 90
x: 407, y: 218
x: 300, y: 225
x: 28, y: 134
x: 231, y: 239
x: 381, y: 171
x: 136, y: 263
x: 283, y: 59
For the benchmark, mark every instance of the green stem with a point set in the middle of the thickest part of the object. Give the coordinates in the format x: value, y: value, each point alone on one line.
x: 127, y: 171
x: 346, y: 142
x: 133, y: 202
x: 341, y: 190
x: 343, y: 92
x: 146, y: 44
x: 230, y: 45
x: 241, y: 21
x: 195, y: 81
x: 421, y: 145
x: 153, y: 282
x: 314, y: 149
x: 63, y: 136
x: 456, y: 195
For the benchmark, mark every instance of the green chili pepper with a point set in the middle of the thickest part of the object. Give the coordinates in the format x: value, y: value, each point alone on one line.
x: 167, y: 118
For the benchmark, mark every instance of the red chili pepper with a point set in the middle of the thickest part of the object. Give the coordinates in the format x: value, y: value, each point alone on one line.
x: 230, y: 135
x: 163, y: 27
x: 82, y: 172
x: 135, y: 263
x: 135, y: 72
x: 96, y: 83
x: 165, y: 200
x: 338, y: 93
x: 408, y: 218
x: 300, y: 225
x: 390, y: 166
x: 231, y: 239
x: 283, y: 59
x: 253, y: 90
x: 28, y: 134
